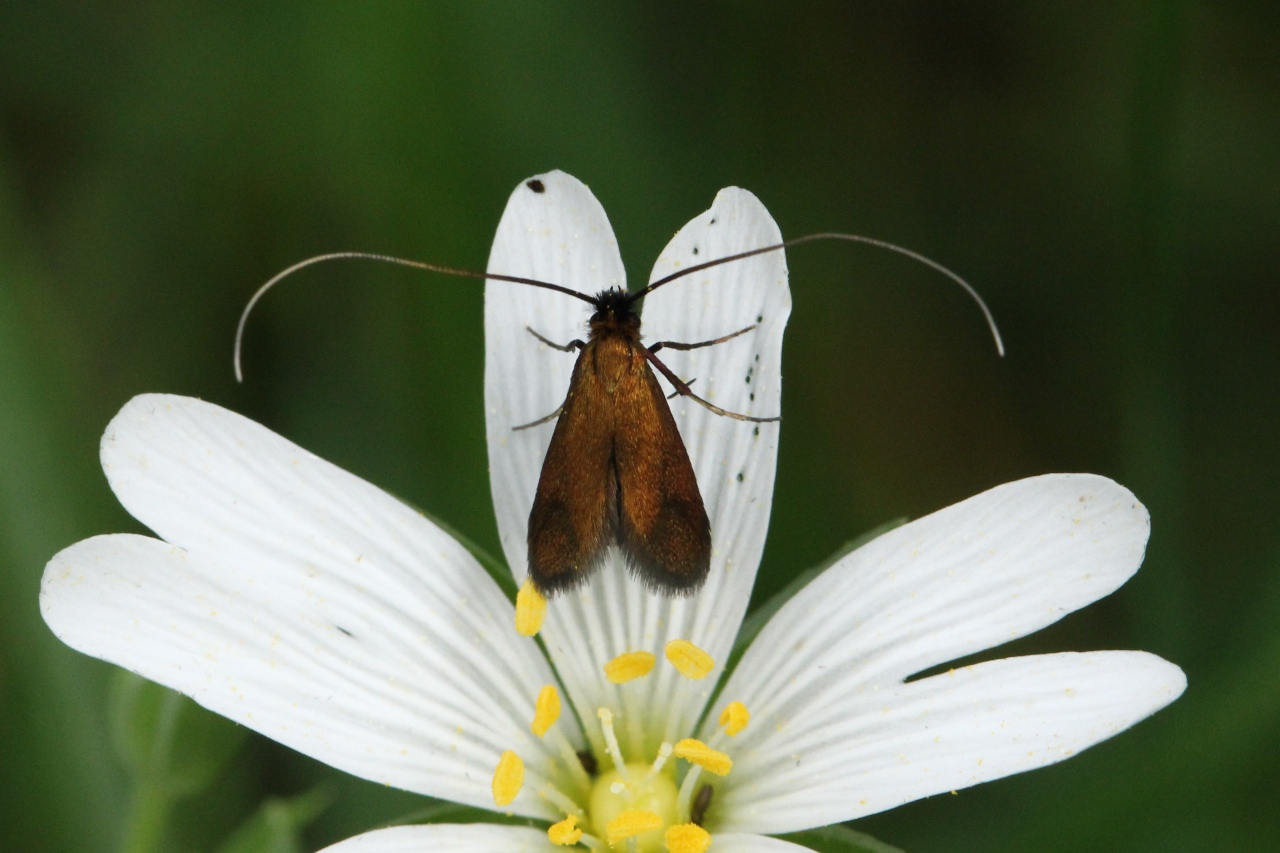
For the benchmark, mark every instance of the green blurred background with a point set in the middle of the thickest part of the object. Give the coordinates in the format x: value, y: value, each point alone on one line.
x: 1105, y: 173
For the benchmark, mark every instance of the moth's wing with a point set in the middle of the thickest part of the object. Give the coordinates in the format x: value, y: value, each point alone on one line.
x: 553, y: 230
x: 574, y: 516
x: 663, y: 528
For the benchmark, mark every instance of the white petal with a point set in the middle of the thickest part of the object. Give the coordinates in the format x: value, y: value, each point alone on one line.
x: 745, y: 842
x: 985, y: 571
x: 303, y: 602
x: 448, y: 838
x: 734, y: 461
x: 863, y: 751
x: 488, y: 838
x: 559, y: 235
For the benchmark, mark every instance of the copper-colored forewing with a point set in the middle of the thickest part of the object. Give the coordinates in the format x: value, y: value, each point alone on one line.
x: 616, y: 472
x: 663, y: 528
x: 574, y: 515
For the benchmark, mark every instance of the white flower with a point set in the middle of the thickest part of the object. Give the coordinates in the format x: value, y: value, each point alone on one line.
x: 314, y: 608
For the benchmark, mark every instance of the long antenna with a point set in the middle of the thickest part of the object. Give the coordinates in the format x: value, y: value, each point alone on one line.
x: 634, y: 297
x: 390, y: 259
x: 852, y: 238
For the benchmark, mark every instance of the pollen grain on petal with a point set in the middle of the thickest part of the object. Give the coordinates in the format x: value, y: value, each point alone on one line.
x: 546, y: 709
x: 531, y: 609
x: 687, y: 838
x: 631, y: 823
x: 566, y: 832
x: 734, y: 718
x: 691, y: 661
x: 704, y: 756
x: 629, y: 666
x: 508, y: 778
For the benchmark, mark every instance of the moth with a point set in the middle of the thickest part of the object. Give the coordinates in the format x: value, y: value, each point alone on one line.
x: 616, y: 473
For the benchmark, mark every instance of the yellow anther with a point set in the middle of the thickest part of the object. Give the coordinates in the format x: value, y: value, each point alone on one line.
x: 546, y: 710
x: 531, y: 609
x: 631, y: 823
x: 704, y: 756
x: 508, y: 778
x: 687, y: 838
x: 734, y: 718
x: 629, y: 666
x: 565, y: 832
x: 692, y: 661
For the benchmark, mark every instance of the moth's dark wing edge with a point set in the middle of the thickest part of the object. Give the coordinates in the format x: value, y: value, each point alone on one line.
x: 663, y: 530
x: 573, y: 520
x: 617, y: 474
x: 550, y: 519
x: 656, y: 577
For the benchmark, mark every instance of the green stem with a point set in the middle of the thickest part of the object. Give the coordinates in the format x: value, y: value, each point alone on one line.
x: 148, y: 817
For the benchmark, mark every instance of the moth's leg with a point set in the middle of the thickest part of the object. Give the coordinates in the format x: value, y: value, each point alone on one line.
x: 569, y: 347
x: 682, y: 388
x: 677, y: 345
x: 540, y: 421
x: 676, y: 393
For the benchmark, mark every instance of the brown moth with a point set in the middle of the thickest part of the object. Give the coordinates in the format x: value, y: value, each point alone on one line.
x: 616, y: 472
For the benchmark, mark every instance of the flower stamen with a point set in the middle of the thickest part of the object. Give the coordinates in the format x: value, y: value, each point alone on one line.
x: 561, y: 801
x: 664, y: 752
x: 704, y: 756
x: 687, y: 838
x: 631, y: 823
x: 565, y: 833
x: 531, y: 609
x: 611, y: 743
x: 691, y: 661
x: 629, y: 666
x: 734, y: 718
x: 508, y: 778
x: 684, y: 799
x: 546, y: 710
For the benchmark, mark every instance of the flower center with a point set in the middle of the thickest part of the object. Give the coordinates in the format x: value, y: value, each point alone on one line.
x: 612, y: 796
x: 635, y: 806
